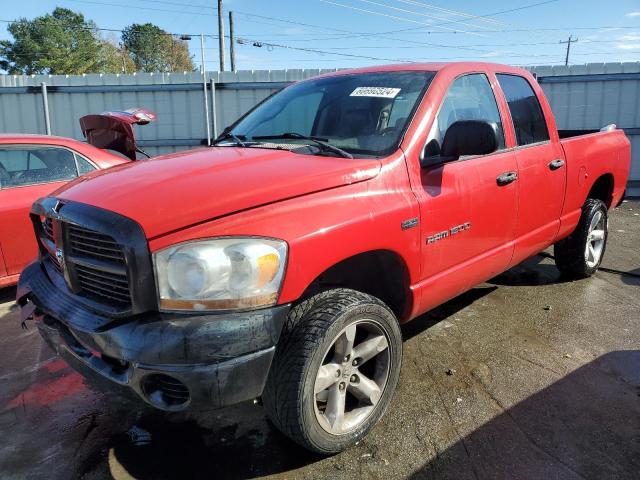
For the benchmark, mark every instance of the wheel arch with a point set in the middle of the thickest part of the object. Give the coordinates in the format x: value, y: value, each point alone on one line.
x: 381, y: 273
x: 602, y: 189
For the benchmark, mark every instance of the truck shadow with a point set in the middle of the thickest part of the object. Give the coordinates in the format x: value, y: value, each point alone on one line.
x: 236, y: 442
x: 8, y: 295
x: 583, y: 426
x: 530, y: 273
x: 632, y: 277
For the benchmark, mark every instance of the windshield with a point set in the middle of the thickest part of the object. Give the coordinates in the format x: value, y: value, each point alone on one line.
x: 362, y: 114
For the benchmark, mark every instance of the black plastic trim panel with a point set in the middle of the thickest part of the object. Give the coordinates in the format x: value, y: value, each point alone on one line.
x: 126, y: 232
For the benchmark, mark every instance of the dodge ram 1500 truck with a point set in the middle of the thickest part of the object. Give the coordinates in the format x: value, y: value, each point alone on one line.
x: 280, y: 263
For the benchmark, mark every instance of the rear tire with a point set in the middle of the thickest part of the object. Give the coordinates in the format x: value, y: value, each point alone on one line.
x: 580, y: 254
x: 335, y: 370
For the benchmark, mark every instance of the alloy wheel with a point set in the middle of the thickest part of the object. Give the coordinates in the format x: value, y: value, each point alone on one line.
x: 352, y: 377
x: 595, y: 240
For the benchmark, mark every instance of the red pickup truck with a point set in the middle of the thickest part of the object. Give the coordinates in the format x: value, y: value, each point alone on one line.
x: 280, y: 263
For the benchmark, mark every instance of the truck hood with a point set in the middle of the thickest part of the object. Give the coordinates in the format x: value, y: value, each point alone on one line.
x: 174, y: 191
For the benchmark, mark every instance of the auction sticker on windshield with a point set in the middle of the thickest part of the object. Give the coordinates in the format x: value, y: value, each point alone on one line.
x: 382, y: 92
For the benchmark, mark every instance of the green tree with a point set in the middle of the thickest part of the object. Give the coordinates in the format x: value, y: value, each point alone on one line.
x: 154, y: 50
x: 115, y: 59
x: 62, y: 42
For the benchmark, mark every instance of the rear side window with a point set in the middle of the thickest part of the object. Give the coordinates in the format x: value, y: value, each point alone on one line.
x: 31, y: 165
x: 528, y: 120
x: 83, y: 165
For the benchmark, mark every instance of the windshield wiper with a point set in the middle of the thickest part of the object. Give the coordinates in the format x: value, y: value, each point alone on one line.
x: 237, y: 140
x: 320, y: 142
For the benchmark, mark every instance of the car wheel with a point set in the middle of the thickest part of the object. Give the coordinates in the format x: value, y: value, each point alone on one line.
x: 580, y: 254
x: 335, y: 369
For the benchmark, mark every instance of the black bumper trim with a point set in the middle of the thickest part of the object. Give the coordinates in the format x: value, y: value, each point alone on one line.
x: 221, y: 358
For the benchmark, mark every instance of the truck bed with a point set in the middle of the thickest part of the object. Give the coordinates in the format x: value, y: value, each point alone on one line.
x: 589, y: 155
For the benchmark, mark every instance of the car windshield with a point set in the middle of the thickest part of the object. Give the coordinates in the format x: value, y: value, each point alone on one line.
x: 362, y: 114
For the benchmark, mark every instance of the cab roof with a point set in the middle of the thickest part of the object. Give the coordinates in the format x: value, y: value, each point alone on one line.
x: 459, y: 67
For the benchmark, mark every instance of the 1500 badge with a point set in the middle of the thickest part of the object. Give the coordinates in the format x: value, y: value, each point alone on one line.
x: 446, y: 233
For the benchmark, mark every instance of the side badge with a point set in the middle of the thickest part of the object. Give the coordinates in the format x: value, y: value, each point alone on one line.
x: 407, y: 224
x: 448, y: 233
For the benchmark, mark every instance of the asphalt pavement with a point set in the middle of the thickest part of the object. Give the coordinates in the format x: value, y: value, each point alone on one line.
x: 526, y: 376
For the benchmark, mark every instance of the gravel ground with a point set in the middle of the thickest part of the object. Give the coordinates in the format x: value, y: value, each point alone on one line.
x: 525, y: 376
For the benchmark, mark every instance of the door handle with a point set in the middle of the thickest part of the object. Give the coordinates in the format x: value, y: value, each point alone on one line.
x: 556, y: 164
x: 506, y: 178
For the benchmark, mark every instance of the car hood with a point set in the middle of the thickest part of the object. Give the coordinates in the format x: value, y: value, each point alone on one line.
x: 174, y: 191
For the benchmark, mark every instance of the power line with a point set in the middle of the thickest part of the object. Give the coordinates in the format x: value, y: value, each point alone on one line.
x: 323, y: 52
x: 448, y: 11
x: 108, y: 4
x: 415, y: 31
x: 395, y: 17
x: 260, y: 44
x: 113, y: 30
x: 417, y: 13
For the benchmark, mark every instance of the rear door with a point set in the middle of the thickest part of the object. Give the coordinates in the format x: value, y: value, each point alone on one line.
x: 541, y: 169
x: 27, y: 172
x: 467, y: 219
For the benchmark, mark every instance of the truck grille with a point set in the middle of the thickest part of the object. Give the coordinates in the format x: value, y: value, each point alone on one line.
x: 47, y: 227
x: 97, y: 279
x: 47, y: 230
x: 96, y: 254
x: 88, y: 243
x: 103, y: 285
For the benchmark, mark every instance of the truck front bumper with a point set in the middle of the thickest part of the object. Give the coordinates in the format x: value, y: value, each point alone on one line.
x: 171, y: 361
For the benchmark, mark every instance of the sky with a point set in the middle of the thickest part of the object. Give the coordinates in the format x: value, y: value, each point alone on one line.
x: 277, y: 34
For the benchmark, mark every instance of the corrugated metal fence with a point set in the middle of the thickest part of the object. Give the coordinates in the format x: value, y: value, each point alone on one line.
x: 582, y: 97
x: 177, y: 99
x: 594, y: 95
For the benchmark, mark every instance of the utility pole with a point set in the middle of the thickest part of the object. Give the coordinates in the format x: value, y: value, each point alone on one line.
x: 124, y: 62
x: 221, y: 35
x: 232, y: 50
x: 568, y: 42
x: 204, y: 88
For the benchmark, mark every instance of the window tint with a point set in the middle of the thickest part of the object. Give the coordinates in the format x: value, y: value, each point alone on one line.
x: 469, y: 98
x: 528, y: 120
x: 32, y: 165
x: 83, y: 165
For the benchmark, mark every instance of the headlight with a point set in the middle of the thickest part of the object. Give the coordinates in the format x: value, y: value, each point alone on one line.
x: 220, y: 274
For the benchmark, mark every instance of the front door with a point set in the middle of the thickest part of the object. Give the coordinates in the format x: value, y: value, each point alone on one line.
x: 467, y: 216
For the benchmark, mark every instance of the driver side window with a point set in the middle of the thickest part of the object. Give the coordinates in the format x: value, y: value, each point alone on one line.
x: 469, y: 98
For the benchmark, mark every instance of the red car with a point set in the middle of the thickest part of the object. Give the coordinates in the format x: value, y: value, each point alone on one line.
x: 33, y: 166
x: 281, y: 262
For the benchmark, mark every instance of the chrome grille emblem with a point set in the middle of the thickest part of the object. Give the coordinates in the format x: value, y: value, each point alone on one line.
x: 60, y: 257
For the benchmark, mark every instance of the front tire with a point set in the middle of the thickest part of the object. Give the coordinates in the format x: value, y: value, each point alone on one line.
x: 580, y: 254
x: 335, y: 369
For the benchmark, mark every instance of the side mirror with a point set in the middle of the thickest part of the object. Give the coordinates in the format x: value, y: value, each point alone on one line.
x: 464, y: 137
